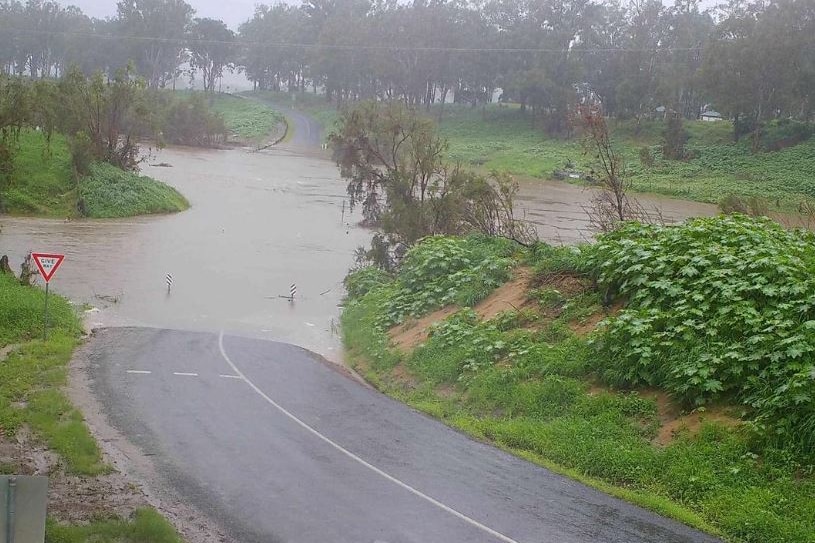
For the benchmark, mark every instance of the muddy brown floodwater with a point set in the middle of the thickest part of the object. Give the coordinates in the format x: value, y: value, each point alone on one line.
x: 558, y: 209
x: 259, y: 222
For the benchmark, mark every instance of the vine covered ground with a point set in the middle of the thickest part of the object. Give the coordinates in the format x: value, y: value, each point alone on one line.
x: 669, y: 366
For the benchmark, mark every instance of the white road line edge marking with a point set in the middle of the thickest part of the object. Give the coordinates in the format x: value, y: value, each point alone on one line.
x: 141, y: 372
x: 184, y: 374
x: 352, y: 456
x: 231, y: 376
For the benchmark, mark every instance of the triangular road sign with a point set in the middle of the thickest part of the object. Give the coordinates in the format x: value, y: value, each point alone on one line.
x: 47, y: 264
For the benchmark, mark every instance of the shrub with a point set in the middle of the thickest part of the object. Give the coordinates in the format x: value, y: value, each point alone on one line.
x: 781, y: 133
x: 717, y: 307
x: 359, y: 282
x: 443, y: 270
x: 646, y: 157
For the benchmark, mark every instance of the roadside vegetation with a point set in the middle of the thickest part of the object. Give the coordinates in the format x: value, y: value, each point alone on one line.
x: 247, y: 119
x: 658, y: 364
x: 34, y: 411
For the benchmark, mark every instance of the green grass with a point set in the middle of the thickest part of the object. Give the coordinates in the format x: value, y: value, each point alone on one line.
x: 110, y: 192
x: 527, y: 384
x: 43, y: 181
x: 31, y: 383
x: 31, y: 378
x: 246, y: 119
x: 21, y: 313
x: 502, y: 138
x: 43, y: 184
x: 146, y: 526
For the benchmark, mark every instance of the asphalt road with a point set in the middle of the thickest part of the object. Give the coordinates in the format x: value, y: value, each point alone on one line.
x: 305, y: 131
x: 280, y: 446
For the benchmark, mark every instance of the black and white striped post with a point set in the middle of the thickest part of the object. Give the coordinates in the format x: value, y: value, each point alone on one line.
x: 292, y: 292
x: 169, y: 282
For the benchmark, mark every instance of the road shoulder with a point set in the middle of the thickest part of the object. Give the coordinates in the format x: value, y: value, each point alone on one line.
x: 130, y: 461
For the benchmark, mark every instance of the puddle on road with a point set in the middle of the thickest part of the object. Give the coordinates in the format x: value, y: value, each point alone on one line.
x: 258, y: 223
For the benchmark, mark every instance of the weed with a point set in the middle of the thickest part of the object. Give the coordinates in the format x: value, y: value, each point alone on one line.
x: 108, y: 191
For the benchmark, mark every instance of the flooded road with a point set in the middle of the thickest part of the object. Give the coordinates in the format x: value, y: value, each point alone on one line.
x: 259, y: 223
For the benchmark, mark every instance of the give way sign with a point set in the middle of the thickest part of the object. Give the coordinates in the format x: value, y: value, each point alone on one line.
x: 47, y: 264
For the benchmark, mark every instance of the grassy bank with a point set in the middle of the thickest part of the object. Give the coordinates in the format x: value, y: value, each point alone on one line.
x: 503, y: 138
x: 32, y: 401
x: 108, y: 191
x: 246, y: 120
x: 527, y: 366
x: 43, y: 184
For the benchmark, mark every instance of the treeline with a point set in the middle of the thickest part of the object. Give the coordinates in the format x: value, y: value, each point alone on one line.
x: 753, y: 61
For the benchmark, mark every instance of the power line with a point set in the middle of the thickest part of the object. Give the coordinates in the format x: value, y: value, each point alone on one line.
x: 358, y: 47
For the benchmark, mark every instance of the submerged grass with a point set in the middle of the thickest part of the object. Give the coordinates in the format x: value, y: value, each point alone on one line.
x: 503, y: 138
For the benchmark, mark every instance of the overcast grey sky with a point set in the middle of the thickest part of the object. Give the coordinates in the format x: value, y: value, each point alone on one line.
x: 232, y: 12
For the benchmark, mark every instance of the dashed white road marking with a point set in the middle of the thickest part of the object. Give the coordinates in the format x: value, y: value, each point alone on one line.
x: 185, y: 374
x: 140, y: 372
x: 352, y: 456
x: 231, y: 376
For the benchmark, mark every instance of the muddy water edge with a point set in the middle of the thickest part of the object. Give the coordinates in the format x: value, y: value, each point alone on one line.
x: 260, y: 222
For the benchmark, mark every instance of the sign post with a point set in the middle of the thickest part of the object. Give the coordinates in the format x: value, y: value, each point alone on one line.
x: 47, y: 263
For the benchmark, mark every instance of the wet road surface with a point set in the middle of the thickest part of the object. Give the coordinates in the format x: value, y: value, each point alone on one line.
x: 281, y: 447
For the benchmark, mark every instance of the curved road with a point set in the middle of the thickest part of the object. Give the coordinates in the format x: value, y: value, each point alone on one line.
x: 280, y: 446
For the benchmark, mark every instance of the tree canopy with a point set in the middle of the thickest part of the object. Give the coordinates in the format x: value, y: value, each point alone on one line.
x: 751, y: 60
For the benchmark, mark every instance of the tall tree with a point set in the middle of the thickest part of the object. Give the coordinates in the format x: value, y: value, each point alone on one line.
x: 211, y: 46
x: 155, y: 32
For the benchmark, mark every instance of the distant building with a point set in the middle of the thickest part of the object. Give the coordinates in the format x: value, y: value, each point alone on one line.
x: 711, y: 115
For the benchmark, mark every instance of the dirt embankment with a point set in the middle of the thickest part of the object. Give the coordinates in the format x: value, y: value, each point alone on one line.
x: 517, y: 295
x: 512, y: 295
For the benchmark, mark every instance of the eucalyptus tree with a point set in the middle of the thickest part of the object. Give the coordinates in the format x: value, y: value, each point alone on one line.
x: 155, y: 33
x: 212, y: 48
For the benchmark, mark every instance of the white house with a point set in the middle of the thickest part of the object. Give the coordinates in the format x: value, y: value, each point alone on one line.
x: 711, y: 115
